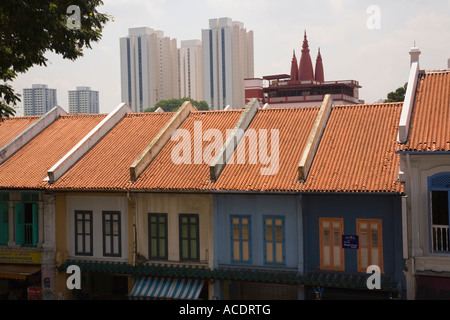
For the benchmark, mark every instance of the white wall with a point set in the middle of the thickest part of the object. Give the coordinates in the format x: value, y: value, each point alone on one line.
x: 97, y: 204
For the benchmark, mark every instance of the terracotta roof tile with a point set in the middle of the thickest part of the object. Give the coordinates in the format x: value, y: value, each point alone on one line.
x: 294, y: 126
x: 164, y: 174
x: 357, y: 151
x: 28, y: 167
x: 106, y: 165
x: 12, y: 127
x: 430, y: 121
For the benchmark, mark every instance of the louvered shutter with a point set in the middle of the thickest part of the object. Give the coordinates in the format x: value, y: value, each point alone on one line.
x: 35, y: 227
x: 20, y: 223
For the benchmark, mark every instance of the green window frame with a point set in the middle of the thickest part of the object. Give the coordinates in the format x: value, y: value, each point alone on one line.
x: 157, y: 236
x: 26, y: 224
x: 4, y: 218
x: 112, y: 236
x: 189, y: 237
x: 83, y: 233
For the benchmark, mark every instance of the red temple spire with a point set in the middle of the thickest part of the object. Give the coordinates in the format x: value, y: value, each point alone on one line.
x: 294, y: 68
x: 319, y: 68
x: 306, y: 72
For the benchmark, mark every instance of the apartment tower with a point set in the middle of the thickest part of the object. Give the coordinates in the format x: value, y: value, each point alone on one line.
x: 227, y: 61
x: 38, y: 100
x: 83, y: 100
x: 149, y: 68
x: 190, y: 67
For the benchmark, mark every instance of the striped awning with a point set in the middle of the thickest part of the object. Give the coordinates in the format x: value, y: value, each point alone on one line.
x: 166, y: 288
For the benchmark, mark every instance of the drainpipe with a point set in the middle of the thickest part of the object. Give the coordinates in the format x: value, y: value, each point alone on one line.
x: 134, y: 228
x: 413, y: 252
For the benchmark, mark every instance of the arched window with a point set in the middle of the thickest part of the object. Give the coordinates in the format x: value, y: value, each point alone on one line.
x: 439, y: 191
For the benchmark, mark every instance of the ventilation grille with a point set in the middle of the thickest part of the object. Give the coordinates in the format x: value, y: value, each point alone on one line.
x: 441, y: 181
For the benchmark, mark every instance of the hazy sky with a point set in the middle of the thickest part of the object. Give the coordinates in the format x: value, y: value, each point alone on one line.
x: 376, y: 56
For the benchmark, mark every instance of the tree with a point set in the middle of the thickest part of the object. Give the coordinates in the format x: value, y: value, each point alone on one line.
x: 397, y: 95
x: 28, y: 29
x: 173, y: 105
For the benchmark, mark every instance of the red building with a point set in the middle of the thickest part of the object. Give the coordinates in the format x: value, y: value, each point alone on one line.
x: 302, y: 87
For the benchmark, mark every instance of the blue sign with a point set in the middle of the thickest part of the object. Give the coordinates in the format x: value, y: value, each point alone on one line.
x: 350, y: 242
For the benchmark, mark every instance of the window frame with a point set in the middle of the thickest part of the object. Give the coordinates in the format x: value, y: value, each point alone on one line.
x: 369, y: 243
x: 4, y: 215
x: 112, y: 236
x: 189, y: 237
x: 321, y: 244
x: 158, y: 237
x: 436, y: 184
x: 83, y: 233
x: 240, y: 239
x: 274, y: 241
x: 29, y: 204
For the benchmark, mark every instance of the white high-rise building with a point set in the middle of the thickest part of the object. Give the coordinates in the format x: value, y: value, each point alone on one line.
x: 149, y: 68
x: 227, y: 61
x: 83, y: 100
x: 38, y: 100
x: 190, y: 68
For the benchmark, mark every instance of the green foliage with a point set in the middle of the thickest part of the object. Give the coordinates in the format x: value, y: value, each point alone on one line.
x: 173, y: 105
x: 397, y: 95
x: 28, y: 29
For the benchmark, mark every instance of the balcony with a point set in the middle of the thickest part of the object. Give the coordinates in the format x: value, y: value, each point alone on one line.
x: 440, y: 238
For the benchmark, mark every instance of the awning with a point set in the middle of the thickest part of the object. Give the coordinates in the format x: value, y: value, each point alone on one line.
x: 166, y: 288
x: 18, y: 271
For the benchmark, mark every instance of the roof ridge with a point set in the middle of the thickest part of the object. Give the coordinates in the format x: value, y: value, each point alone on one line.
x: 83, y: 115
x: 21, y: 118
x: 218, y: 111
x: 137, y: 114
x: 288, y: 108
x: 435, y: 71
x: 375, y: 104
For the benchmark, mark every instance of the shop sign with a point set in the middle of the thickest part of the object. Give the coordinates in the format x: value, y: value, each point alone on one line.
x: 34, y: 293
x: 20, y: 257
x: 350, y: 242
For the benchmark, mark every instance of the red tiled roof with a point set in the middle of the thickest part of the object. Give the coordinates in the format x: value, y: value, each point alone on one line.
x: 106, y: 165
x: 430, y: 121
x: 164, y: 174
x: 13, y: 126
x: 357, y: 151
x: 28, y: 167
x: 294, y: 126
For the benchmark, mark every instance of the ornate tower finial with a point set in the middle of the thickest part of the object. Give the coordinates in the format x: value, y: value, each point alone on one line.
x: 306, y: 72
x: 319, y: 75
